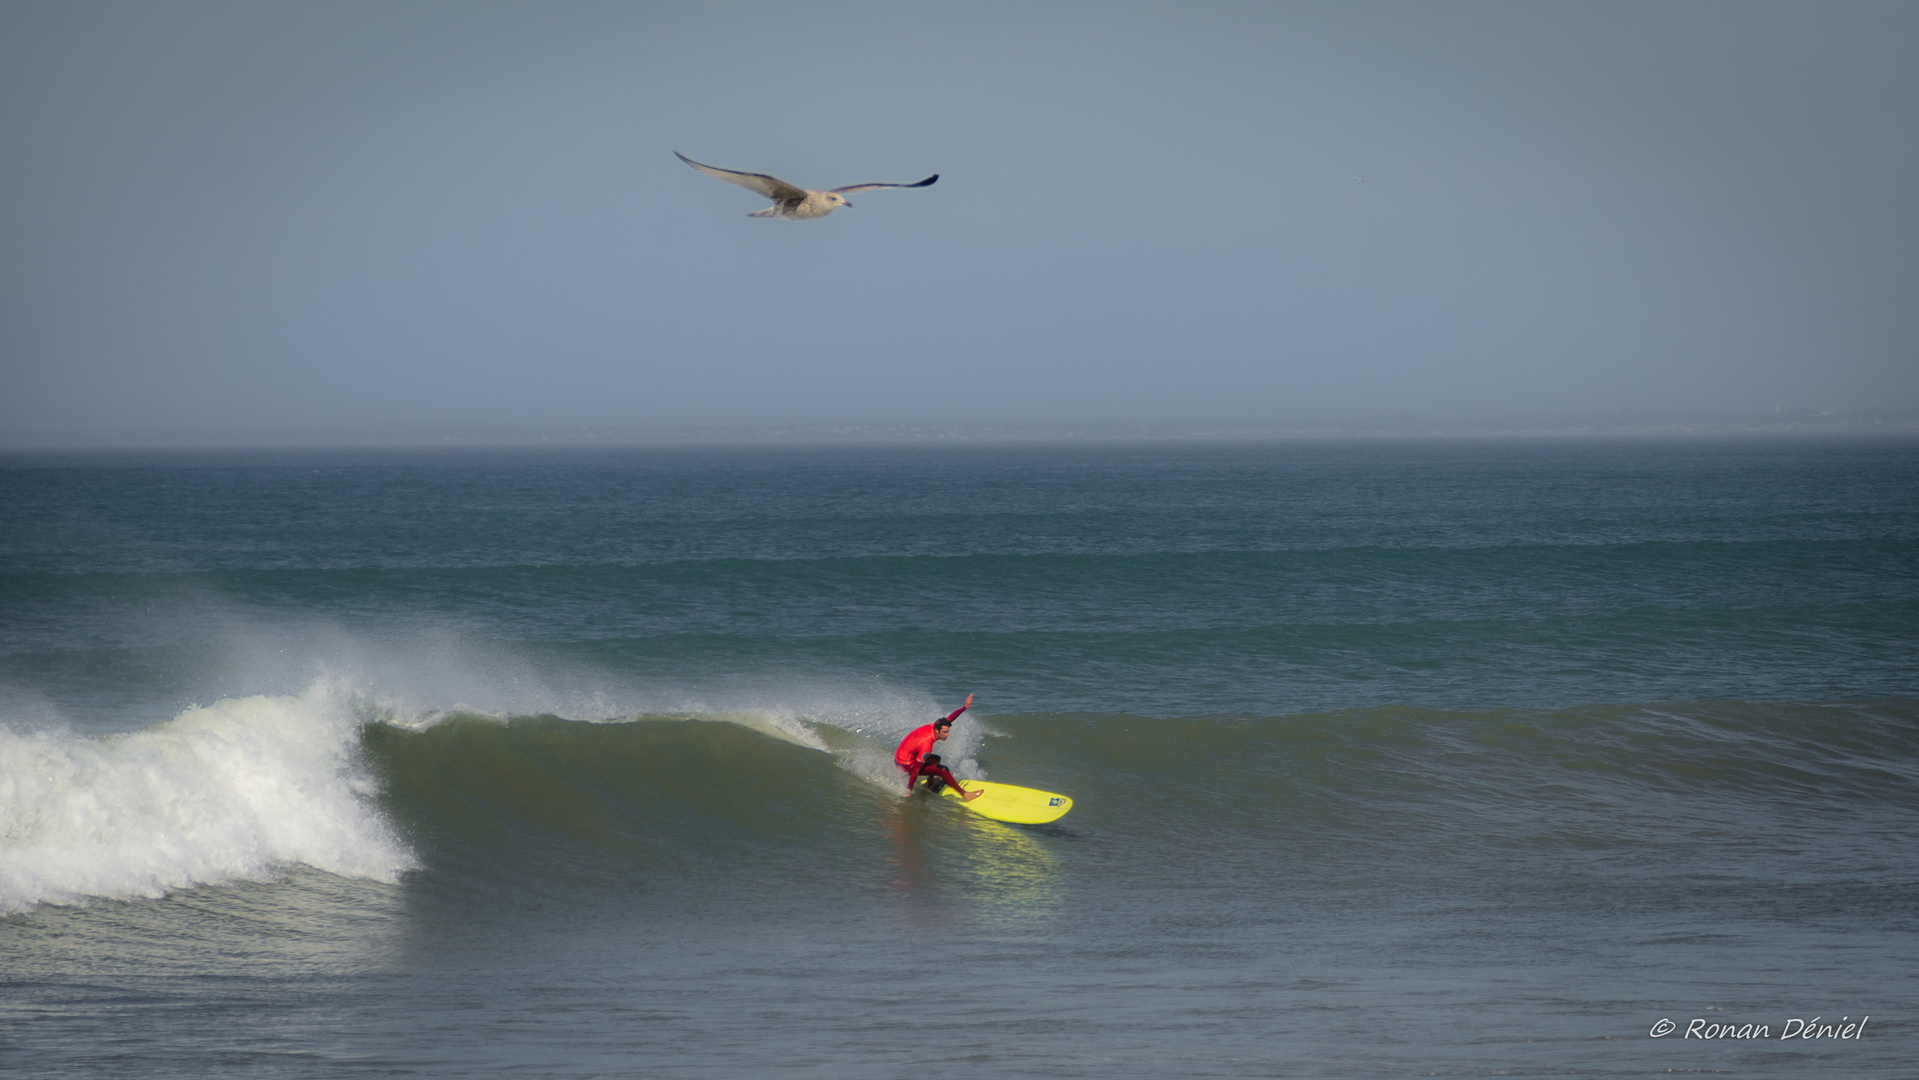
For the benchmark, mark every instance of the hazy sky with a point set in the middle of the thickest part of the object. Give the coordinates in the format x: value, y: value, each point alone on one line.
x: 339, y: 214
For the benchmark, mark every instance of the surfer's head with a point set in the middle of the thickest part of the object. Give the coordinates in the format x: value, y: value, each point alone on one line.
x: 942, y: 728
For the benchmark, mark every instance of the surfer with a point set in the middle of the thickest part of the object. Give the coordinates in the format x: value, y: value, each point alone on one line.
x: 913, y: 757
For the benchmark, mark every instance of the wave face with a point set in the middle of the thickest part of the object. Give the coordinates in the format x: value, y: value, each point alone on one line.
x: 1585, y: 784
x: 232, y: 791
x: 246, y: 788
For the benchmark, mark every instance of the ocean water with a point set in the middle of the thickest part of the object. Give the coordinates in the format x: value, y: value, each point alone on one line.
x: 1389, y: 758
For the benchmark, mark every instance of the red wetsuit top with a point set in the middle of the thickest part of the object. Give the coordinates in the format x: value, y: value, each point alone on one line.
x: 919, y: 742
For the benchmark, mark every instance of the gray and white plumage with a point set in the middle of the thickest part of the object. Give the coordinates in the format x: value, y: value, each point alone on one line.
x: 791, y: 202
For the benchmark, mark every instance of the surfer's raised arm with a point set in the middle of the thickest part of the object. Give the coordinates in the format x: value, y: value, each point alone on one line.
x: 914, y: 757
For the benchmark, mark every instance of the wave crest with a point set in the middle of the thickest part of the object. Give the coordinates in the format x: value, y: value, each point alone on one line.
x: 220, y: 793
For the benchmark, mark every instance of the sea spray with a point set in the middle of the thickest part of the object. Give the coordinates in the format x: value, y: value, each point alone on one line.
x: 220, y: 793
x: 239, y: 788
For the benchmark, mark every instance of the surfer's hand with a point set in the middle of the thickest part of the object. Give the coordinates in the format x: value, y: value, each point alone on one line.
x: 969, y: 701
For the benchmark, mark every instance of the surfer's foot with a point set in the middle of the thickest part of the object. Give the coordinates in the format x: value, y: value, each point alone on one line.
x: 969, y: 796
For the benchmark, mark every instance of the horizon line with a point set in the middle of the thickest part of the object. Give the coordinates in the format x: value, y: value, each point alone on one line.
x: 1592, y: 424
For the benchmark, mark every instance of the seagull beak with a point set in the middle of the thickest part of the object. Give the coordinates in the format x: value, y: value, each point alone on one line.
x: 846, y: 202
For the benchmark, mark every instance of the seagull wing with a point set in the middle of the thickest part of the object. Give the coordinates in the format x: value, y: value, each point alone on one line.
x: 772, y: 187
x: 851, y: 188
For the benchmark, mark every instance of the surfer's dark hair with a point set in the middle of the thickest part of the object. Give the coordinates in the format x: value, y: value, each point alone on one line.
x: 944, y: 721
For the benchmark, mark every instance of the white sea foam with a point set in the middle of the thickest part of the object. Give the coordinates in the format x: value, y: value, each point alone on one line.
x: 237, y: 789
x: 220, y: 793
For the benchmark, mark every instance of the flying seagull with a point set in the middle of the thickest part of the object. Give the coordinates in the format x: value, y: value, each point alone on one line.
x: 793, y: 203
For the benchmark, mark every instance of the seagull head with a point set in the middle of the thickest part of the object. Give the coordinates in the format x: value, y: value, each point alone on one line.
x: 837, y: 200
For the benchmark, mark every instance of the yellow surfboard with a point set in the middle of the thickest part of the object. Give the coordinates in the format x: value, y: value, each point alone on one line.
x: 1019, y: 805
